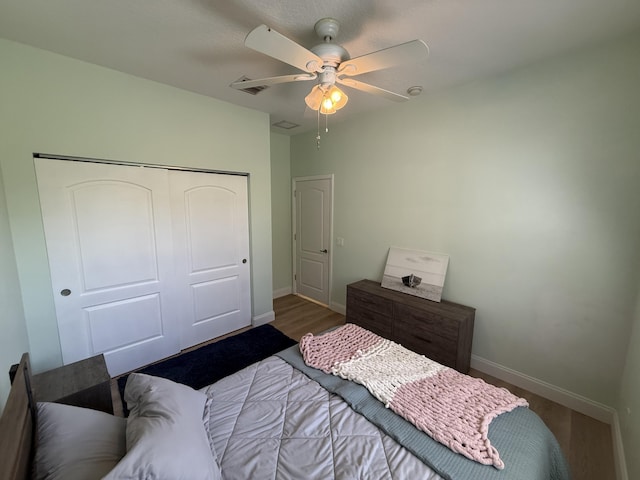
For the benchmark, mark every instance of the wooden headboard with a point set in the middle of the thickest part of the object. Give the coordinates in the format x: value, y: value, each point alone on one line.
x: 17, y: 426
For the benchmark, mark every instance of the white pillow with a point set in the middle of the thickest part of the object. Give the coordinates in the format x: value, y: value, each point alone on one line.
x: 166, y: 438
x: 76, y: 443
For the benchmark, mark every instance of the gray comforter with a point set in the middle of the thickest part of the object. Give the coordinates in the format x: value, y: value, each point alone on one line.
x: 272, y: 421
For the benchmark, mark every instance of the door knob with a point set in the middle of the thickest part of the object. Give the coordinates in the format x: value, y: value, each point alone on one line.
x: 324, y: 251
x: 65, y: 292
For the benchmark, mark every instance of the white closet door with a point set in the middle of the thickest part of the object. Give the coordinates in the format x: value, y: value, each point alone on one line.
x: 211, y: 236
x: 109, y: 241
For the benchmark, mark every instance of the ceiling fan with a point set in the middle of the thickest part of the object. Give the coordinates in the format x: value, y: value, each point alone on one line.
x: 328, y: 63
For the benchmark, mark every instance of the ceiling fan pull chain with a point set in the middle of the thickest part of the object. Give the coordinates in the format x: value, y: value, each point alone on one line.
x: 318, y: 136
x: 326, y: 124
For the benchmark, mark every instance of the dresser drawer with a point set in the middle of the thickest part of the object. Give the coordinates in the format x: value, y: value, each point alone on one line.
x: 441, y: 331
x: 423, y: 324
x: 358, y: 300
x: 373, y: 321
x: 439, y: 349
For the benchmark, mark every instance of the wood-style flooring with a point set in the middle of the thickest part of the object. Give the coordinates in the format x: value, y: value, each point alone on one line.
x: 586, y: 442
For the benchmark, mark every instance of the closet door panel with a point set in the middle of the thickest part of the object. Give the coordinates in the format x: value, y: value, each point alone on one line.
x: 209, y: 212
x: 109, y: 241
x: 119, y: 323
x: 115, y: 231
x: 211, y: 234
x: 215, y: 298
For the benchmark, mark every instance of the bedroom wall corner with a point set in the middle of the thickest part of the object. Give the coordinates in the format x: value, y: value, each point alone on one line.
x: 281, y: 214
x: 13, y: 340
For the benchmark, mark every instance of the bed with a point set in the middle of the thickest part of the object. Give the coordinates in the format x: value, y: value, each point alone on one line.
x: 17, y: 426
x: 275, y: 419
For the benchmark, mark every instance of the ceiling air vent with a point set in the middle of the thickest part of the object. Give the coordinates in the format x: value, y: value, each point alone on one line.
x: 285, y: 124
x: 251, y: 90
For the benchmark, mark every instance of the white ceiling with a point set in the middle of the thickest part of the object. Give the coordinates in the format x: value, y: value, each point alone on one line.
x: 197, y: 45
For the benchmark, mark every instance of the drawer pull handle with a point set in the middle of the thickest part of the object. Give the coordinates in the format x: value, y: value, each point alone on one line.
x: 425, y: 340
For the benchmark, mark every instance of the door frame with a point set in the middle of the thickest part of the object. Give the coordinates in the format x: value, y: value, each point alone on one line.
x: 294, y: 228
x: 161, y: 166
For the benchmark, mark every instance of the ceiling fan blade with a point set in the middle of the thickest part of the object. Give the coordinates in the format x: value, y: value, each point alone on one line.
x: 413, y: 51
x: 262, y: 82
x: 266, y: 40
x: 365, y: 87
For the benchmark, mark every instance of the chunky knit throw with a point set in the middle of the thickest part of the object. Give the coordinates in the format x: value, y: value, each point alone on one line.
x: 452, y: 408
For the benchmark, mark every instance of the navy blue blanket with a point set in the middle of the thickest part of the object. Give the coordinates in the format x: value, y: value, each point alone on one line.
x: 209, y: 363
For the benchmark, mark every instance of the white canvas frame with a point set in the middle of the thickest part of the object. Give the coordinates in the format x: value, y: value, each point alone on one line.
x: 430, y: 267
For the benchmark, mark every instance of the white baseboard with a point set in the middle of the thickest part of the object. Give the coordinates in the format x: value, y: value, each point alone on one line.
x: 281, y: 292
x: 264, y: 318
x: 619, y: 458
x: 338, y: 307
x: 559, y: 395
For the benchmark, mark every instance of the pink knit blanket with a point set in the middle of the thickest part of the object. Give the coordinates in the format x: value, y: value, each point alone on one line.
x: 452, y: 408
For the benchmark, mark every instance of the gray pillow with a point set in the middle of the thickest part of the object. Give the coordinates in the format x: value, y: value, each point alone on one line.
x: 166, y: 437
x: 75, y: 443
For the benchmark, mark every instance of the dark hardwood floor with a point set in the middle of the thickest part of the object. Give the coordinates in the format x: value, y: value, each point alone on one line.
x: 586, y: 442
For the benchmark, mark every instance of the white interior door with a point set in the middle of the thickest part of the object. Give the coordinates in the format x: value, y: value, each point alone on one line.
x: 109, y: 241
x: 313, y: 199
x: 211, y: 236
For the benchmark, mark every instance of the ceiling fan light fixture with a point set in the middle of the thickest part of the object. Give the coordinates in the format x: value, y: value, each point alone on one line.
x: 314, y: 98
x: 327, y: 100
x: 327, y: 108
x: 337, y: 97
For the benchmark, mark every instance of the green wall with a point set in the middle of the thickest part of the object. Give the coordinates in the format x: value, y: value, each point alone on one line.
x: 281, y: 213
x: 13, y: 340
x: 530, y: 182
x: 53, y: 104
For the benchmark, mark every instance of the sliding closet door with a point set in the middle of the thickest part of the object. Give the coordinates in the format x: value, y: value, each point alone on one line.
x: 211, y: 237
x: 144, y: 261
x: 110, y: 247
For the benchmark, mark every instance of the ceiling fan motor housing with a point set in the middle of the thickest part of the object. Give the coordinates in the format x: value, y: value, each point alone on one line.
x: 327, y: 28
x: 327, y: 77
x: 332, y: 54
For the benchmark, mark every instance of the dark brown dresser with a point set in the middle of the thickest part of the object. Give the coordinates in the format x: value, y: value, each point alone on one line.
x: 442, y: 331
